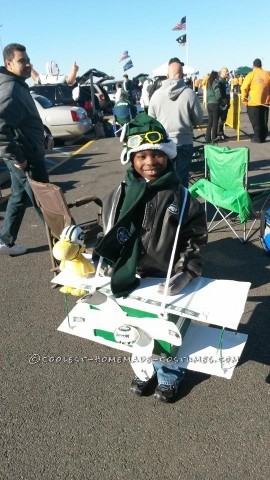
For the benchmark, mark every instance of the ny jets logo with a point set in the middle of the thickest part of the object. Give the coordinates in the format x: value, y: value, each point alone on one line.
x: 123, y: 235
x: 173, y: 209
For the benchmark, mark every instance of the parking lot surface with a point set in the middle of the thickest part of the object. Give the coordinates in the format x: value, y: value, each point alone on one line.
x: 66, y: 409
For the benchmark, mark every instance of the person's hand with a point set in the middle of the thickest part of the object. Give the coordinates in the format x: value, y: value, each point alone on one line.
x: 21, y: 166
x: 34, y: 74
x: 176, y: 284
x: 75, y: 67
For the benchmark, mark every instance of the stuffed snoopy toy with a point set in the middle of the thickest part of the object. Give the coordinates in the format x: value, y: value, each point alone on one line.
x: 69, y: 251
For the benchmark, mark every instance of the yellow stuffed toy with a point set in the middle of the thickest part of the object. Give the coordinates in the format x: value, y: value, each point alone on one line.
x: 69, y: 251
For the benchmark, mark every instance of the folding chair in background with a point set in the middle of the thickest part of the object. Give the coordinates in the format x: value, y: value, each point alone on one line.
x: 57, y: 216
x: 225, y: 186
x: 197, y: 162
x: 121, y: 115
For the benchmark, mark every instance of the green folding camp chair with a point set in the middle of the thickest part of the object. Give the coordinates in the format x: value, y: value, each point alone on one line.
x: 121, y: 115
x: 197, y: 163
x: 225, y: 186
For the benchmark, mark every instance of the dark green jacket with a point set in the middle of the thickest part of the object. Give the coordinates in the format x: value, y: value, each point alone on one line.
x: 213, y: 94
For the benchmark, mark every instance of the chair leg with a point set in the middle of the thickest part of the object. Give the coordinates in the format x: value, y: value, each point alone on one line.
x: 248, y: 234
x: 55, y: 264
x: 210, y: 224
x: 115, y: 129
x: 224, y: 218
x: 257, y: 214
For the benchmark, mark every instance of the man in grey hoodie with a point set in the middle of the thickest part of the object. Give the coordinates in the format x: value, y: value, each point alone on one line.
x: 178, y: 109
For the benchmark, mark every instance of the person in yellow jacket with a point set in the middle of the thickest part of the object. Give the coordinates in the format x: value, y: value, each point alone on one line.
x: 255, y: 93
x: 196, y: 85
x: 240, y: 82
x: 205, y: 80
x: 235, y: 84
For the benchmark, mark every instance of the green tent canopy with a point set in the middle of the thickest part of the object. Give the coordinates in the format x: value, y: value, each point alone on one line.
x: 242, y: 70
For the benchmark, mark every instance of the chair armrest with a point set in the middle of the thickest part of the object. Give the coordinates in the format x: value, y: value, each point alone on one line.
x: 84, y: 200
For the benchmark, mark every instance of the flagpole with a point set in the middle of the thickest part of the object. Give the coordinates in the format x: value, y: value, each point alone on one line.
x: 187, y: 44
x: 1, y: 46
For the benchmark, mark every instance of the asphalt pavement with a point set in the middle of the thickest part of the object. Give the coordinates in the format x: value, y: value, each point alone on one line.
x: 76, y: 420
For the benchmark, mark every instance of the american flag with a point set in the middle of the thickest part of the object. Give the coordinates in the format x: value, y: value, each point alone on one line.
x: 181, y: 25
x: 182, y: 40
x: 124, y: 56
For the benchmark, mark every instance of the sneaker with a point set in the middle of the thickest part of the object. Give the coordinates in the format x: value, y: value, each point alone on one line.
x: 166, y: 393
x: 222, y: 136
x: 14, y: 250
x: 141, y: 388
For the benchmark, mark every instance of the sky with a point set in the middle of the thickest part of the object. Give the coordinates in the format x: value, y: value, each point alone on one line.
x: 95, y: 33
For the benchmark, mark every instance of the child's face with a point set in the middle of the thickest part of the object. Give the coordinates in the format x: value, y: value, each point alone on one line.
x: 150, y: 164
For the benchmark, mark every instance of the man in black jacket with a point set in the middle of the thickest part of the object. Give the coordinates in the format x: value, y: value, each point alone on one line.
x: 21, y: 142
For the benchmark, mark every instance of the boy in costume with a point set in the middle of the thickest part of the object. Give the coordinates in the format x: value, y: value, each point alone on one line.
x: 143, y: 214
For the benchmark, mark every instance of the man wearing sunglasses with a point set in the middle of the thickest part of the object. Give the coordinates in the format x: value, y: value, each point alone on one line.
x: 143, y: 215
x: 178, y: 109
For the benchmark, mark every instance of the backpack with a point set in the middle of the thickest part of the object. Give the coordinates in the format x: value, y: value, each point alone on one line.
x: 265, y: 230
x: 155, y: 85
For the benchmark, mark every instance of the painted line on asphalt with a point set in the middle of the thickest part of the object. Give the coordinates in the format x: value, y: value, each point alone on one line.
x: 82, y: 148
x: 71, y: 155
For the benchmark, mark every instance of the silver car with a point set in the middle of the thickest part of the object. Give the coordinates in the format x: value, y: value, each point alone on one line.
x: 62, y: 121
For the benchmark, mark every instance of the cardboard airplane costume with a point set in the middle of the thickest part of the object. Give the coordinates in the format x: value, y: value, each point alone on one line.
x: 148, y: 324
x: 141, y: 315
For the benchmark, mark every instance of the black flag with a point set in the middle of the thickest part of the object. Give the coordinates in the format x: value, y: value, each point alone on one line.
x: 182, y: 40
x: 128, y: 65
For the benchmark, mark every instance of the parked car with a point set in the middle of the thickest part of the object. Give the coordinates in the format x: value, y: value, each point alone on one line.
x: 62, y: 121
x: 61, y: 94
x: 85, y: 82
x: 106, y: 104
x: 110, y: 87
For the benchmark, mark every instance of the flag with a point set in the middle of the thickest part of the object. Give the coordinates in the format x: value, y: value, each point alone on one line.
x: 181, y: 25
x: 128, y: 65
x: 182, y: 40
x: 124, y: 56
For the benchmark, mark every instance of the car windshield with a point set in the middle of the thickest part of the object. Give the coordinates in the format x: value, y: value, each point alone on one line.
x: 43, y: 101
x: 58, y: 94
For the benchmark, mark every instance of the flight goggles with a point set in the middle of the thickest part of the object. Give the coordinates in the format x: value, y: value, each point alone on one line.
x: 135, y: 141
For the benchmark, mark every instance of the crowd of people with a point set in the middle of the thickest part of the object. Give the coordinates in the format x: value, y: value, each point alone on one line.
x: 254, y: 90
x: 146, y: 207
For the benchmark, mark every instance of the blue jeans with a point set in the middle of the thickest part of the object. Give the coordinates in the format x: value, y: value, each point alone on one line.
x: 183, y: 161
x: 21, y: 192
x: 169, y: 373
